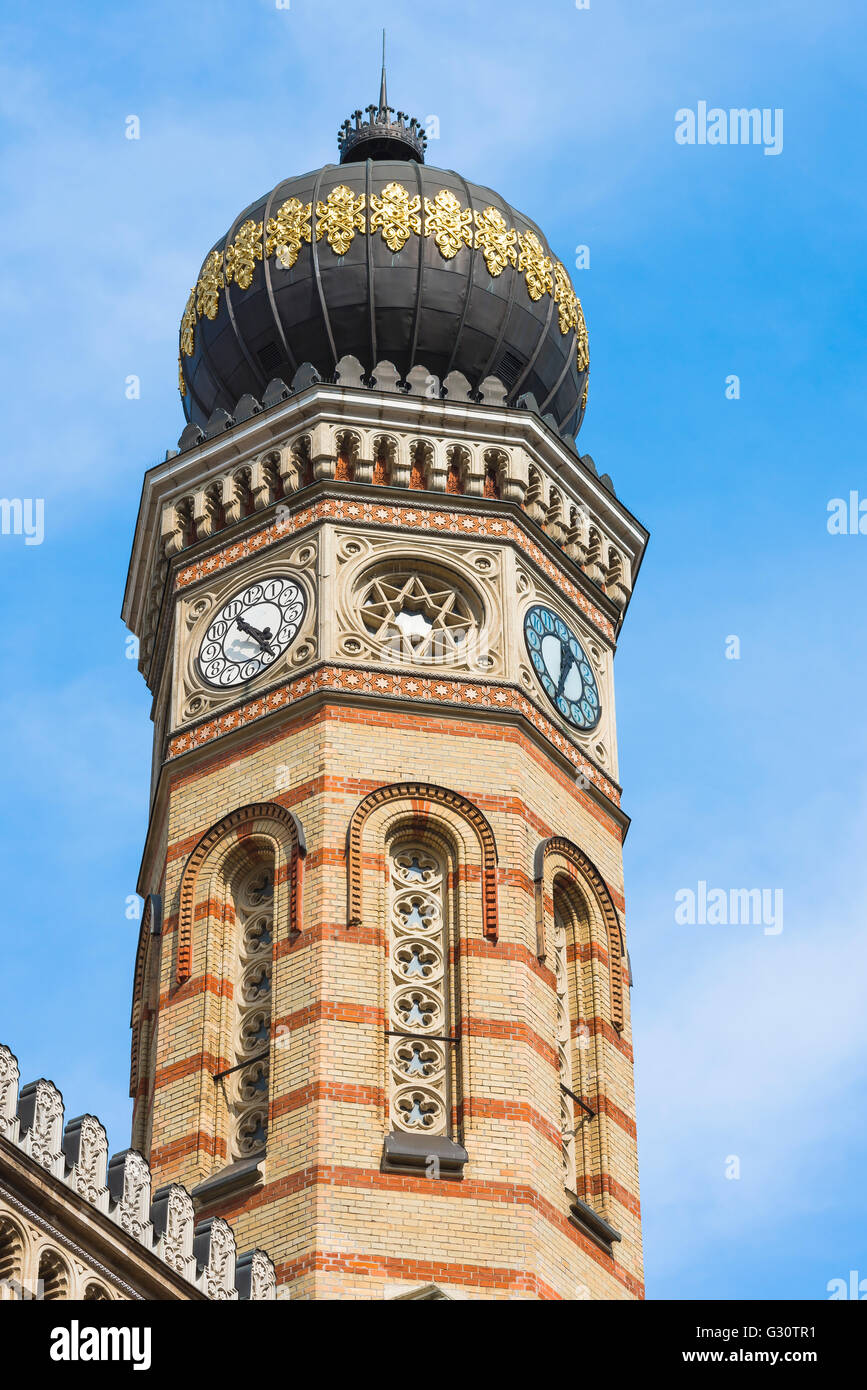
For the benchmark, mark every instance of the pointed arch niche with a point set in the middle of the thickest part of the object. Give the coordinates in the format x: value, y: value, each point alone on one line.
x: 240, y: 895
x: 578, y: 930
x: 416, y: 856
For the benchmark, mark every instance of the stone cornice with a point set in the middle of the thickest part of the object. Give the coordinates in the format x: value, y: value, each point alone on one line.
x: 457, y: 421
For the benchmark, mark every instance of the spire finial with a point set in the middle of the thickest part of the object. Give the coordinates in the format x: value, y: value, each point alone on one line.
x: 381, y: 137
x: 383, y: 95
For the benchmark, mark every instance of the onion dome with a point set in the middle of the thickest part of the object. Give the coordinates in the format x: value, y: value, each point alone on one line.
x: 384, y: 259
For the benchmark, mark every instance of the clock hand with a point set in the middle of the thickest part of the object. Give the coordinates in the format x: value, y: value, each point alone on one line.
x: 263, y: 637
x: 565, y: 668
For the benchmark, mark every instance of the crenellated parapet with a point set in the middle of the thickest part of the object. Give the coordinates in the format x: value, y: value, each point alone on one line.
x: 75, y: 1158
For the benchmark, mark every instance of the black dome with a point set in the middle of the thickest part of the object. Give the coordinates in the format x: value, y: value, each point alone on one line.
x: 386, y: 260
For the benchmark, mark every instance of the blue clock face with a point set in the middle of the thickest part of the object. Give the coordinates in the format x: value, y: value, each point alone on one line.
x: 561, y: 664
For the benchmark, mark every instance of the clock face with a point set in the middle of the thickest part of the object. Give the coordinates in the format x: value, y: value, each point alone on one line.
x: 563, y: 668
x: 251, y: 631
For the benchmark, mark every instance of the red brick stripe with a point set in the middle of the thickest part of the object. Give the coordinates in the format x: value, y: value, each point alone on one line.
x: 370, y: 1179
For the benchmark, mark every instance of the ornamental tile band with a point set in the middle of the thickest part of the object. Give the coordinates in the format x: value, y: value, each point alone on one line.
x: 412, y: 518
x: 358, y: 681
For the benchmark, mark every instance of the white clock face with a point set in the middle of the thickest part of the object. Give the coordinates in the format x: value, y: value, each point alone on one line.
x: 251, y: 631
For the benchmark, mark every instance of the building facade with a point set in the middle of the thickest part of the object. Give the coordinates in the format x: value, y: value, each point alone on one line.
x: 381, y: 1006
x: 78, y: 1226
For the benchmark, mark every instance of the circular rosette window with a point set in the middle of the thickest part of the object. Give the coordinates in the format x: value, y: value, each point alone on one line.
x: 252, y: 1132
x: 417, y: 1061
x: 413, y: 866
x: 419, y: 1109
x: 426, y: 616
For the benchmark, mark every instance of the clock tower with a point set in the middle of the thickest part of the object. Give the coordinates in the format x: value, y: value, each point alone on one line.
x: 381, y: 1002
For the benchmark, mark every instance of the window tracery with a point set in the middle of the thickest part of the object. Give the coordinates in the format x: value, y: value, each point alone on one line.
x: 420, y: 617
x: 564, y: 1046
x: 420, y: 1061
x: 254, y: 916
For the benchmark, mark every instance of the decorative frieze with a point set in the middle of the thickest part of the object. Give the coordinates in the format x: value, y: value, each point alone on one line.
x: 395, y: 214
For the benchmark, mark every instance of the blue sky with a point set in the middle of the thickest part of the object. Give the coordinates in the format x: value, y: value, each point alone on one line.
x: 704, y: 262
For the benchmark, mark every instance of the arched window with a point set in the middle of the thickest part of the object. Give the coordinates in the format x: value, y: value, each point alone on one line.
x: 564, y: 1042
x: 252, y: 904
x: 572, y: 967
x: 421, y: 1059
x: 53, y: 1277
x: 240, y: 892
x: 96, y: 1293
x: 11, y: 1259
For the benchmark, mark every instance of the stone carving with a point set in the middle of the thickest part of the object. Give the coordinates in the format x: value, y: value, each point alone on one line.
x: 132, y: 1212
x: 40, y: 1111
x: 215, y: 1248
x: 77, y: 1157
x: 263, y: 1278
x: 174, y: 1220
x: 9, y: 1075
x: 86, y: 1147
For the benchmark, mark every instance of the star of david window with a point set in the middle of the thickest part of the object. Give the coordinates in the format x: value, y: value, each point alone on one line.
x: 417, y: 616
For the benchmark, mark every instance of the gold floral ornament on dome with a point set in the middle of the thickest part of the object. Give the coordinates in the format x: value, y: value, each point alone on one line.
x: 286, y: 232
x: 450, y: 225
x: 396, y: 215
x: 582, y: 349
x: 182, y: 385
x: 565, y: 298
x: 188, y: 326
x: 211, y: 281
x: 495, y: 240
x: 340, y: 217
x: 535, y: 265
x: 242, y: 255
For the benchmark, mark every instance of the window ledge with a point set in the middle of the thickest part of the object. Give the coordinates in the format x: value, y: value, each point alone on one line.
x: 591, y: 1223
x: 234, y: 1178
x: 428, y: 1155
